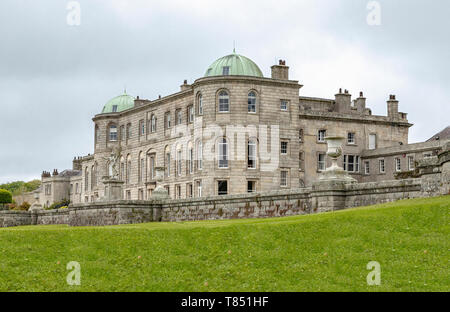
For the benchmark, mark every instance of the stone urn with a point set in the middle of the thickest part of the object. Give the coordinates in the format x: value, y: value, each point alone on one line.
x: 159, y: 192
x: 335, y: 172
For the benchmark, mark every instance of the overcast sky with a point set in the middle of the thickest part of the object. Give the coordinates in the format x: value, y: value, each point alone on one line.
x: 55, y: 77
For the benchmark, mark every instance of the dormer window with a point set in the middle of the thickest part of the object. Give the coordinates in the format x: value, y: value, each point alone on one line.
x: 114, y: 108
x: 226, y: 70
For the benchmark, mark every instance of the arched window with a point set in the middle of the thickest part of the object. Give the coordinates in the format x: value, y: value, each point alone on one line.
x: 190, y: 157
x: 153, y: 123
x: 223, y: 153
x: 128, y: 169
x: 200, y: 104
x: 224, y: 102
x: 141, y: 164
x: 86, y: 179
x: 93, y: 176
x: 112, y: 133
x: 167, y: 160
x: 252, y: 102
x: 151, y: 156
x: 199, y: 155
x: 122, y: 168
x: 251, y: 150
x: 179, y: 155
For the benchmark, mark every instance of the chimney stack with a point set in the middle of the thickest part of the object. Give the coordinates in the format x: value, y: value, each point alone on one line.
x: 185, y: 86
x: 280, y: 71
x: 392, y: 107
x: 343, y: 101
x: 360, y: 104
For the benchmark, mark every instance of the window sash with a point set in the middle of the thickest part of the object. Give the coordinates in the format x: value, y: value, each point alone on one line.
x: 251, y: 155
x: 284, y: 148
x: 283, y: 178
x: 321, y: 162
x: 223, y: 155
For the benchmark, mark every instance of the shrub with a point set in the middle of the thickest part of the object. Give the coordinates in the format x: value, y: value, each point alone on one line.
x: 5, y: 197
x: 60, y: 204
x: 25, y: 206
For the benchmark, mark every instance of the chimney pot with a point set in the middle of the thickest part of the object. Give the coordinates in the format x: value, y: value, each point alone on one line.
x: 361, y: 94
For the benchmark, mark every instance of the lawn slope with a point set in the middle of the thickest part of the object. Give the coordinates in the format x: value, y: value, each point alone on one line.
x: 321, y: 252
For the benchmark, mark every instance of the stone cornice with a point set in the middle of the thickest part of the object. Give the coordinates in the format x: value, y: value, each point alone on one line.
x: 352, y: 118
x: 246, y: 79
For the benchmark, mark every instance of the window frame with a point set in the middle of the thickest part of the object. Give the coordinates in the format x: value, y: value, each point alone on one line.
x: 222, y: 96
x: 252, y: 104
x: 222, y: 158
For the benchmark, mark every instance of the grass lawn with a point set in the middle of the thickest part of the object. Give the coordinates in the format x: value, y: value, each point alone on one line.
x: 321, y: 252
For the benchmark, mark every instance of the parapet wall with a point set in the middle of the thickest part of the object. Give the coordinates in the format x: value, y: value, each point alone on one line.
x: 320, y: 198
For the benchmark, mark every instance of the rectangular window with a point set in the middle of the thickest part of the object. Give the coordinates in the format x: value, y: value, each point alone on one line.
x: 152, y: 167
x: 284, y: 105
x: 398, y: 165
x: 251, y: 162
x: 284, y: 148
x: 178, y: 191
x: 300, y: 135
x: 128, y: 131
x: 300, y: 161
x: 199, y: 188
x: 222, y: 187
x: 351, y: 138
x: 191, y: 114
x: 122, y: 133
x: 113, y: 133
x: 251, y: 186
x: 168, y: 164
x: 321, y: 135
x: 372, y: 141
x: 366, y: 167
x: 411, y: 165
x: 351, y: 163
x: 141, y: 127
x: 189, y: 190
x: 223, y: 154
x: 283, y: 178
x: 200, y: 105
x: 179, y: 163
x: 114, y: 108
x: 321, y: 162
x: 179, y: 117
x: 168, y: 121
x: 225, y: 70
x: 191, y: 160
x: 382, y: 167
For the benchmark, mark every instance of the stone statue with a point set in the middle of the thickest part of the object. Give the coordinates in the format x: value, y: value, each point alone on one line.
x: 114, y: 162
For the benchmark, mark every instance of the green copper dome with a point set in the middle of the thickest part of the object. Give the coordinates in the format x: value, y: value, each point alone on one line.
x: 118, y: 104
x: 233, y: 64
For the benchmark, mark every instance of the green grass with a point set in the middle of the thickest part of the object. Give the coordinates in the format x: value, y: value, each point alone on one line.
x: 321, y: 252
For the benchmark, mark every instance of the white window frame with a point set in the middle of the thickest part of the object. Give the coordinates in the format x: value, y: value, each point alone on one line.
x: 222, y: 153
x: 355, y: 163
x: 284, y: 105
x: 284, y: 176
x: 251, y: 102
x: 200, y: 104
x: 351, y: 138
x: 321, y: 164
x: 321, y: 134
x: 251, y: 157
x: 397, y: 164
x: 113, y: 134
x: 191, y: 113
x: 382, y: 165
x: 284, y: 151
x: 224, y: 102
x: 411, y: 164
x: 366, y: 167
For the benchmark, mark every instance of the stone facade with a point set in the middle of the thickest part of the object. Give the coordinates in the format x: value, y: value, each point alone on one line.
x: 286, y: 129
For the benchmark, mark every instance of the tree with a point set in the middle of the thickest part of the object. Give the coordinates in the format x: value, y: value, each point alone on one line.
x: 5, y: 197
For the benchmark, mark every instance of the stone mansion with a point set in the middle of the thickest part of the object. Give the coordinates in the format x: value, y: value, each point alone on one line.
x: 235, y: 131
